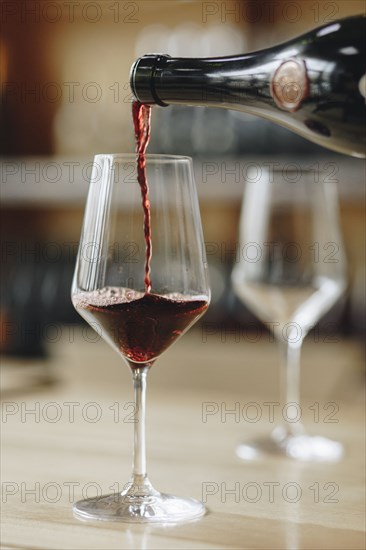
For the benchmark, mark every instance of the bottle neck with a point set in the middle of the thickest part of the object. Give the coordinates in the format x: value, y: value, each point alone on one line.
x: 222, y: 82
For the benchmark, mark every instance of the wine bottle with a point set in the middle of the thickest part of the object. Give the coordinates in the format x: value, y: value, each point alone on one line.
x: 314, y: 85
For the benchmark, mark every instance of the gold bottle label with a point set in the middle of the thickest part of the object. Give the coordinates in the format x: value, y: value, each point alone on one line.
x: 290, y: 84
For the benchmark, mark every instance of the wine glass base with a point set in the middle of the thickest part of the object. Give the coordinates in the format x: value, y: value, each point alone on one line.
x: 160, y: 508
x: 302, y: 447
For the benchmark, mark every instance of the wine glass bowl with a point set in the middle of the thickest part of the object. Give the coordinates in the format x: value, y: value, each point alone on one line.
x: 293, y: 275
x: 140, y: 298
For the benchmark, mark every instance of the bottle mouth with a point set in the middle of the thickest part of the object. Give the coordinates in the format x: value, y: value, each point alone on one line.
x: 142, y: 78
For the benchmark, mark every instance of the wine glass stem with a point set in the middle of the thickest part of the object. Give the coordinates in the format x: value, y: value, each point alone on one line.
x: 290, y: 386
x: 139, y: 454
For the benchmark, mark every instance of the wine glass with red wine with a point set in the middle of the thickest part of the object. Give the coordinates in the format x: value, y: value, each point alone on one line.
x: 290, y: 273
x: 141, y: 282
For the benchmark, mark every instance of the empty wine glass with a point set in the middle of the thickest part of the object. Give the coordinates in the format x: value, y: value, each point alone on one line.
x: 291, y: 271
x: 109, y: 291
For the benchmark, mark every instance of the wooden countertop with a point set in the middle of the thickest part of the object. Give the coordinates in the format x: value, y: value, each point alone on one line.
x: 277, y: 503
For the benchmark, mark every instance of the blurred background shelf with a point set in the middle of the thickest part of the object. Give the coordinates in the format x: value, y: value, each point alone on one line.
x: 41, y: 223
x: 63, y: 180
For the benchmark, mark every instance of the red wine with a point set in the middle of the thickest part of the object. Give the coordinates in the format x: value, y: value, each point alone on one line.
x: 139, y: 325
x: 141, y: 119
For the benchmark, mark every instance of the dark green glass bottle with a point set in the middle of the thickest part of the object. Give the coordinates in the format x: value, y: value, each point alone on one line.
x: 314, y: 85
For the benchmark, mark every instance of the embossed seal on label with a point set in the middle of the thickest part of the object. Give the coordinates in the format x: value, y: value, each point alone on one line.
x: 290, y: 84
